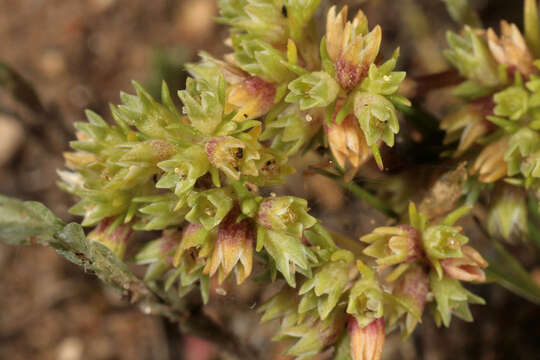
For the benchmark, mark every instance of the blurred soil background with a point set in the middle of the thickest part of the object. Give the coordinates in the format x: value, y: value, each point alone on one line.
x: 81, y: 54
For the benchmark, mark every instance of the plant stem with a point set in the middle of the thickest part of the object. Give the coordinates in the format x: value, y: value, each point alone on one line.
x: 360, y: 192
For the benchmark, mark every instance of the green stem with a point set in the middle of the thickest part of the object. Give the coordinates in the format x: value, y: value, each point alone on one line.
x: 360, y: 192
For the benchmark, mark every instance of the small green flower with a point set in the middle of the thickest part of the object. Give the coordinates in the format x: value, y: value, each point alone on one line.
x: 195, y: 237
x: 286, y: 214
x: 511, y: 102
x: 209, y: 207
x: 443, y: 241
x: 317, y: 89
x: 273, y: 168
x: 393, y: 245
x: 366, y: 297
x: 377, y: 117
x: 183, y: 170
x: 233, y: 156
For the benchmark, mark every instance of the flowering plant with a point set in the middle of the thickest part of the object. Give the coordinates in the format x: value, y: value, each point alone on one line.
x: 198, y: 178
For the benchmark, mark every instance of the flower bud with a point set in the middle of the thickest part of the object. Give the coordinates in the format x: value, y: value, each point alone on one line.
x: 467, y: 267
x: 490, y: 165
x: 348, y: 143
x: 252, y: 98
x: 507, y: 215
x: 366, y: 342
x: 233, y: 249
x: 113, y: 235
x: 351, y: 46
x: 393, y: 245
x: 285, y: 214
x: 511, y: 49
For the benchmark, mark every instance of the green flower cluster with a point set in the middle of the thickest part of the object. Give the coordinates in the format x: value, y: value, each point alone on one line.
x: 409, y: 263
x: 501, y: 115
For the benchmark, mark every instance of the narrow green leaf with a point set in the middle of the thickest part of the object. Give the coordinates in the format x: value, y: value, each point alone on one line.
x: 509, y: 273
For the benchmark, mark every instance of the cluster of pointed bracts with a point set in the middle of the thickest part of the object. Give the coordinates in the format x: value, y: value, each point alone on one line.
x: 497, y: 128
x: 352, y: 304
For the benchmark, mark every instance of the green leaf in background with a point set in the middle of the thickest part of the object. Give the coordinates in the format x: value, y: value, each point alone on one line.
x: 508, y: 272
x: 24, y: 223
x: 462, y: 12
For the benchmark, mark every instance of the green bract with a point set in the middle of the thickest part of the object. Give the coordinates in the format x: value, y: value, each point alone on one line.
x: 285, y: 214
x: 259, y: 58
x: 324, y: 289
x: 316, y: 89
x: 451, y: 298
x: 260, y: 18
x: 377, y: 117
x: 511, y: 102
x: 522, y: 144
x: 208, y: 207
x: 471, y: 56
